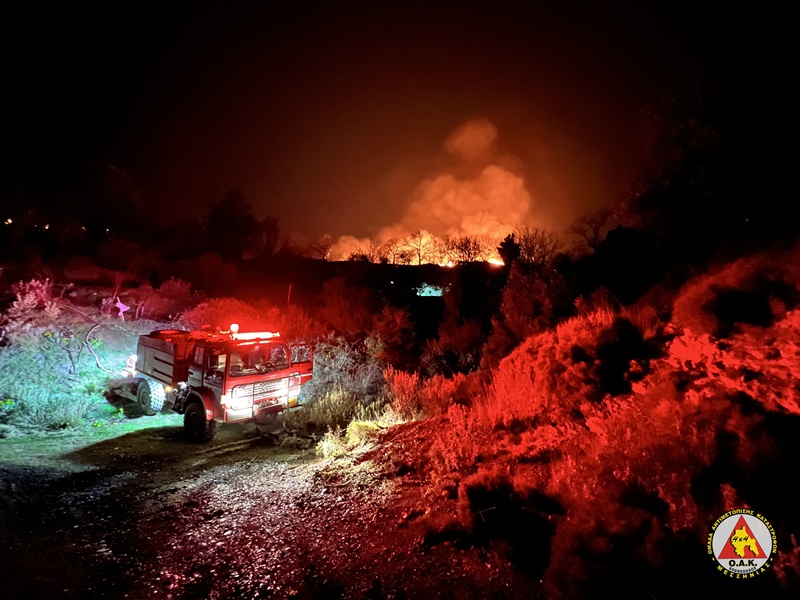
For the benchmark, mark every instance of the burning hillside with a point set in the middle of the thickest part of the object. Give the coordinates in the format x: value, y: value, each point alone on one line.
x: 478, y: 196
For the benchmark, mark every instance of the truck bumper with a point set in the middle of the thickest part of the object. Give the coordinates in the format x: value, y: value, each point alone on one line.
x: 271, y: 405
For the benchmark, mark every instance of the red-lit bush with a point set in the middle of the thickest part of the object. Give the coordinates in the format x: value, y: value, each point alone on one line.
x: 344, y: 308
x: 740, y: 292
x: 293, y: 323
x: 532, y: 302
x: 438, y: 393
x: 166, y: 303
x: 393, y: 328
x: 403, y: 392
x: 456, y: 349
x: 620, y: 445
x: 219, y: 313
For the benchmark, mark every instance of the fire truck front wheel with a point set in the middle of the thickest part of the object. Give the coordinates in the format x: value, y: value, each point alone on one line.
x: 198, y: 428
x: 143, y: 397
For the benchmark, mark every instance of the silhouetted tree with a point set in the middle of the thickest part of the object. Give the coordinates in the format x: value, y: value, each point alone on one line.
x: 466, y: 248
x: 591, y: 228
x: 397, y: 253
x: 173, y: 244
x: 537, y: 247
x: 321, y: 247
x: 372, y: 251
x: 509, y: 249
x: 424, y: 247
x: 231, y: 229
x: 268, y: 236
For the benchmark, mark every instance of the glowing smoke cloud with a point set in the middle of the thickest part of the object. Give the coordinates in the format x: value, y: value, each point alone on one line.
x: 488, y: 199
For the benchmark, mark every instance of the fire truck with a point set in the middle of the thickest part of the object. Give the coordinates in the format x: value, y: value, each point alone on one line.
x: 222, y: 377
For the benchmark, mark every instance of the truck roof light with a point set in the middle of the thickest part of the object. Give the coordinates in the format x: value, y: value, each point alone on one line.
x: 234, y: 328
x: 255, y: 335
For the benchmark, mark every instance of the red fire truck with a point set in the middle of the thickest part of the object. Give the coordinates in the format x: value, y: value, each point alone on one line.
x: 223, y: 377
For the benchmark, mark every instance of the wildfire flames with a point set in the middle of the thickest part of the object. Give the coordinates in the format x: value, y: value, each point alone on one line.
x: 461, y: 213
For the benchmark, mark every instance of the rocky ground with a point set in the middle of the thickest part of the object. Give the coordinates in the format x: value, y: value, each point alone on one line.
x: 147, y: 515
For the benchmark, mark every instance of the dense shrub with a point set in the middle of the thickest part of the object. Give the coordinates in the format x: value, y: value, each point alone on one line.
x: 456, y: 349
x: 392, y: 327
x: 54, y: 363
x: 345, y: 309
x: 628, y: 469
x: 38, y: 382
x: 170, y: 299
x: 403, y: 392
x: 330, y: 411
x: 460, y: 439
x: 347, y: 364
x: 438, y: 393
x: 219, y: 313
x: 750, y: 290
x: 208, y: 272
x: 33, y: 295
x: 532, y: 302
x: 348, y: 379
x: 292, y: 322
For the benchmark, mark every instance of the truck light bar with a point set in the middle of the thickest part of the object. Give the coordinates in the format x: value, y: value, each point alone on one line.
x: 255, y: 335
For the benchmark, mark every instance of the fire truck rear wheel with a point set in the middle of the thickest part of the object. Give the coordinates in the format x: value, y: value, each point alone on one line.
x: 143, y: 397
x: 158, y: 395
x: 197, y: 427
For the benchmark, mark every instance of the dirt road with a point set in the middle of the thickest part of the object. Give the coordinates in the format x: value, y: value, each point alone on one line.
x: 147, y: 515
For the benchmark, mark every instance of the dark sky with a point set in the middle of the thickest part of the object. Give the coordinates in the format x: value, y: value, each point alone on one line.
x: 328, y: 115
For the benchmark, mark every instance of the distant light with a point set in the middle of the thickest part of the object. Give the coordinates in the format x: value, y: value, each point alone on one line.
x: 8, y: 221
x: 106, y: 230
x: 47, y: 226
x: 428, y: 290
x: 84, y: 228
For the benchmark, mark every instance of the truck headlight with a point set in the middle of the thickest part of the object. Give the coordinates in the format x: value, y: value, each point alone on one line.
x: 240, y: 403
x: 237, y: 400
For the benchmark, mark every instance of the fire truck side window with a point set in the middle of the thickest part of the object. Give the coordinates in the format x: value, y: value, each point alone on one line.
x: 216, y: 366
x: 198, y: 355
x: 237, y: 364
x: 277, y: 357
x: 301, y: 354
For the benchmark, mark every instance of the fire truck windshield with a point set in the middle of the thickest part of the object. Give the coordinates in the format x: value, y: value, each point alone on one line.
x: 260, y: 359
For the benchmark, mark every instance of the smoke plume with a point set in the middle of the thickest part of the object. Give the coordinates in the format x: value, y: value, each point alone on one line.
x: 476, y: 195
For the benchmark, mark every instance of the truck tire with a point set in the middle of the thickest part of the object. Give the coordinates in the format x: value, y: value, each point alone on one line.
x: 197, y: 427
x: 143, y: 397
x: 150, y: 396
x: 158, y: 395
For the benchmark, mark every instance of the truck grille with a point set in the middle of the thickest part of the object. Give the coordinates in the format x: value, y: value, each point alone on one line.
x: 262, y: 389
x: 267, y: 387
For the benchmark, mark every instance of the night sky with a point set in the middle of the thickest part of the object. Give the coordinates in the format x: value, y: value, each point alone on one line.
x: 330, y: 116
